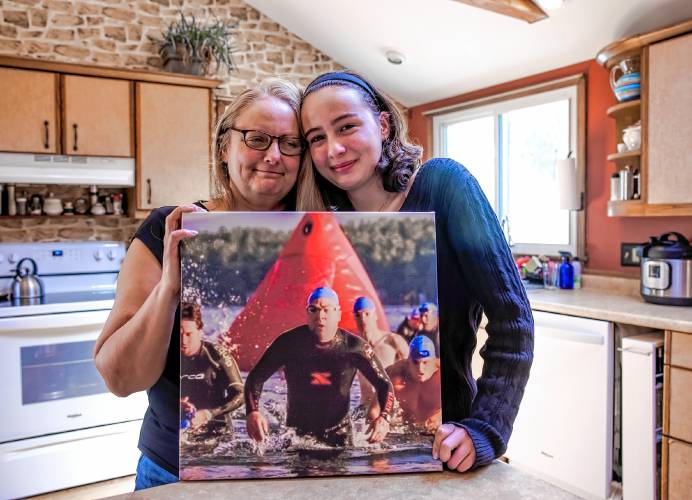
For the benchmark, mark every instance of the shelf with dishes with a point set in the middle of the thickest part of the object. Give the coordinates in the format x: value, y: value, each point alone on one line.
x: 652, y: 131
x: 26, y: 201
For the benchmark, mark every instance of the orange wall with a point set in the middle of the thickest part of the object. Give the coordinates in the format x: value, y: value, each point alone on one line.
x: 603, y: 234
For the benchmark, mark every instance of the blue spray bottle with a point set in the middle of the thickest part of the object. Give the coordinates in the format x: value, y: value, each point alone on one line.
x: 566, y: 272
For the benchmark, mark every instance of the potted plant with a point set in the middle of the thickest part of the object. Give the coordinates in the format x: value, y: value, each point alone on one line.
x: 189, y: 46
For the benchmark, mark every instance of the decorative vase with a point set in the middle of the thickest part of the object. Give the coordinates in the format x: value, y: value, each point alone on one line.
x: 625, y: 79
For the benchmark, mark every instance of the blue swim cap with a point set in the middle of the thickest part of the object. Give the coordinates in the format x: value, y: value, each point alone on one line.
x: 362, y: 304
x: 323, y: 292
x: 421, y: 347
x: 429, y: 307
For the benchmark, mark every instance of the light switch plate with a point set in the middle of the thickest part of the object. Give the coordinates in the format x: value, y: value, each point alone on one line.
x: 630, y: 254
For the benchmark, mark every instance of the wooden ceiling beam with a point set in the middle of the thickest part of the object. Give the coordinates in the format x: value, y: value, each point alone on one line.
x: 526, y: 10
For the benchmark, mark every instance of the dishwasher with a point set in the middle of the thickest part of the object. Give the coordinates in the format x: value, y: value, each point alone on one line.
x: 564, y: 429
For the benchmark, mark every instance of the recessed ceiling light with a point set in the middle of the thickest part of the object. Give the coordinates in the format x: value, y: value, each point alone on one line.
x: 395, y: 57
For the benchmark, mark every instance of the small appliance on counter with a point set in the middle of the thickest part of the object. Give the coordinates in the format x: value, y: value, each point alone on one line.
x: 666, y: 270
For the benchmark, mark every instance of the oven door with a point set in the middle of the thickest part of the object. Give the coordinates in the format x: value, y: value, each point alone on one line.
x: 49, y: 378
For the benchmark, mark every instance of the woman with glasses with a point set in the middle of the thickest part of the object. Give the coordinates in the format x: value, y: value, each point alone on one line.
x: 257, y: 152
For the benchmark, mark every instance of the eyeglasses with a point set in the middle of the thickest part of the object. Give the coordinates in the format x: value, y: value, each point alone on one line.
x: 260, y: 141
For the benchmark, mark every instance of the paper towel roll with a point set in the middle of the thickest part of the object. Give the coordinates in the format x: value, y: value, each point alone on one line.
x: 568, y: 185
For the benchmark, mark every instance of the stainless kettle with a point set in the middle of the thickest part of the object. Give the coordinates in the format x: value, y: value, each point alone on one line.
x: 26, y: 284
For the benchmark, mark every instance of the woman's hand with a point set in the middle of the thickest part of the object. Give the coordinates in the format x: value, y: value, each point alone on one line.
x: 454, y: 446
x: 170, y: 274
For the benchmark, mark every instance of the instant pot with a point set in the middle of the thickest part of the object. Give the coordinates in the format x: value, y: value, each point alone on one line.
x: 666, y: 270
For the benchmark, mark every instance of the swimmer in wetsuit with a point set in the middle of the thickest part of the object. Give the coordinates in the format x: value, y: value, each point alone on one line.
x: 410, y: 326
x: 210, y: 383
x: 416, y: 381
x: 320, y: 361
x: 389, y: 348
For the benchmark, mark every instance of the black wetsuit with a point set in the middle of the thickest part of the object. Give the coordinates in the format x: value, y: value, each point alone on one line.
x: 211, y: 381
x: 319, y: 379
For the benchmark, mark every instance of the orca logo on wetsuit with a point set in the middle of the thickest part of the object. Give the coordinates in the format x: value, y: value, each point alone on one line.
x: 321, y: 378
x: 193, y: 376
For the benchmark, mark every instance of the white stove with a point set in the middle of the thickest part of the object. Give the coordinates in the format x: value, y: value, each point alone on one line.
x: 59, y: 416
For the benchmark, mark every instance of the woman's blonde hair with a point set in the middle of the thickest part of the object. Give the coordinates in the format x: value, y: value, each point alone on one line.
x: 279, y: 88
x: 399, y: 160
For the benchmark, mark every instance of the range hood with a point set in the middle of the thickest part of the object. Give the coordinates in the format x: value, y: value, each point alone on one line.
x: 20, y: 168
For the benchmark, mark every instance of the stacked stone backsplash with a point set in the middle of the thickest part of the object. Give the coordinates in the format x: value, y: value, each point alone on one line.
x: 65, y: 227
x: 122, y: 34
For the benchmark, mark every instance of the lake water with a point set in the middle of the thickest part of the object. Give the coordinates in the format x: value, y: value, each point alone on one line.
x: 286, y: 455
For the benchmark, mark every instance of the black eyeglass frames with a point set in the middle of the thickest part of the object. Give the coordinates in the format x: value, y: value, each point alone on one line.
x: 260, y: 141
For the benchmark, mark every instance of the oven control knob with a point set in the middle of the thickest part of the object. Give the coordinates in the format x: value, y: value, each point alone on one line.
x: 111, y: 255
x: 98, y: 255
x: 13, y: 258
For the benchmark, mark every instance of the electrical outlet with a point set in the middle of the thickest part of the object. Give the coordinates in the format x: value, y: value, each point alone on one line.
x: 630, y: 254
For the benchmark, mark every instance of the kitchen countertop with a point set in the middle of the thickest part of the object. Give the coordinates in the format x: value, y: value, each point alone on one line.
x: 496, y: 481
x: 609, y: 306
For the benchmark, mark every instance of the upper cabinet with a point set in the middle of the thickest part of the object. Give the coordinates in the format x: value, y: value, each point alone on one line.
x: 662, y: 162
x: 173, y: 134
x: 670, y: 121
x: 97, y: 117
x: 163, y: 120
x: 29, y: 115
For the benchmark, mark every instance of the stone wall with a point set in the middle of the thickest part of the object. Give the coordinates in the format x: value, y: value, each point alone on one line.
x: 122, y: 33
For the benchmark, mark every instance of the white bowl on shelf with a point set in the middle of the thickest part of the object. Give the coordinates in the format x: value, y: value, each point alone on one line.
x: 632, y: 137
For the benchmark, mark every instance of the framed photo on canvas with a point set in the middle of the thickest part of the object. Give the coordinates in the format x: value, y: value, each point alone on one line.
x: 309, y: 345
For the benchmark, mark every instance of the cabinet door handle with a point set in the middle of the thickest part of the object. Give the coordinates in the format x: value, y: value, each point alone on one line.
x: 46, y: 135
x: 149, y: 191
x: 74, y: 136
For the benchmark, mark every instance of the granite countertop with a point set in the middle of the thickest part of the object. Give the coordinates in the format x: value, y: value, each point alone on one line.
x: 609, y: 306
x: 496, y: 481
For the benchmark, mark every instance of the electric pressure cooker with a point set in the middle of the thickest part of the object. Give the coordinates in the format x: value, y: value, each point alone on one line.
x: 666, y: 270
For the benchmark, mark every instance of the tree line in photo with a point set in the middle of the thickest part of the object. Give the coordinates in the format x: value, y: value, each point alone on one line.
x: 397, y: 254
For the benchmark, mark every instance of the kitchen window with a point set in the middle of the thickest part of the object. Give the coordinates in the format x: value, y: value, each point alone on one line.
x: 511, y: 143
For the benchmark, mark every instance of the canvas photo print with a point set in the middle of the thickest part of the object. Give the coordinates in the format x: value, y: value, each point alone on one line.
x: 309, y: 345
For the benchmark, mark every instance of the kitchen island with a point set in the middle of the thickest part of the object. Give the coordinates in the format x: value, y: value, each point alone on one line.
x: 496, y: 481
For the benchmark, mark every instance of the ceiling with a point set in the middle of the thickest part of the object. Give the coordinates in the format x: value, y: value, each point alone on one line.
x: 453, y: 48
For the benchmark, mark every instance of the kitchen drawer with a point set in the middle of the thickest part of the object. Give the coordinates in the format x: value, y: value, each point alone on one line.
x: 677, y: 457
x: 678, y: 419
x: 679, y: 349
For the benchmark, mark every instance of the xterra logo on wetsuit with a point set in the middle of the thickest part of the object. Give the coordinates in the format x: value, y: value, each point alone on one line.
x: 192, y: 376
x: 321, y: 378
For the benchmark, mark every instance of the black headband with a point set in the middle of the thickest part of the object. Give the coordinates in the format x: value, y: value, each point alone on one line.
x: 345, y: 77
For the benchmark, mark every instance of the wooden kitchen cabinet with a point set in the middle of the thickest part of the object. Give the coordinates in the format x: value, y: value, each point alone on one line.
x: 173, y: 137
x: 29, y: 115
x: 97, y: 117
x: 665, y: 108
x: 670, y: 121
x: 676, y: 480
